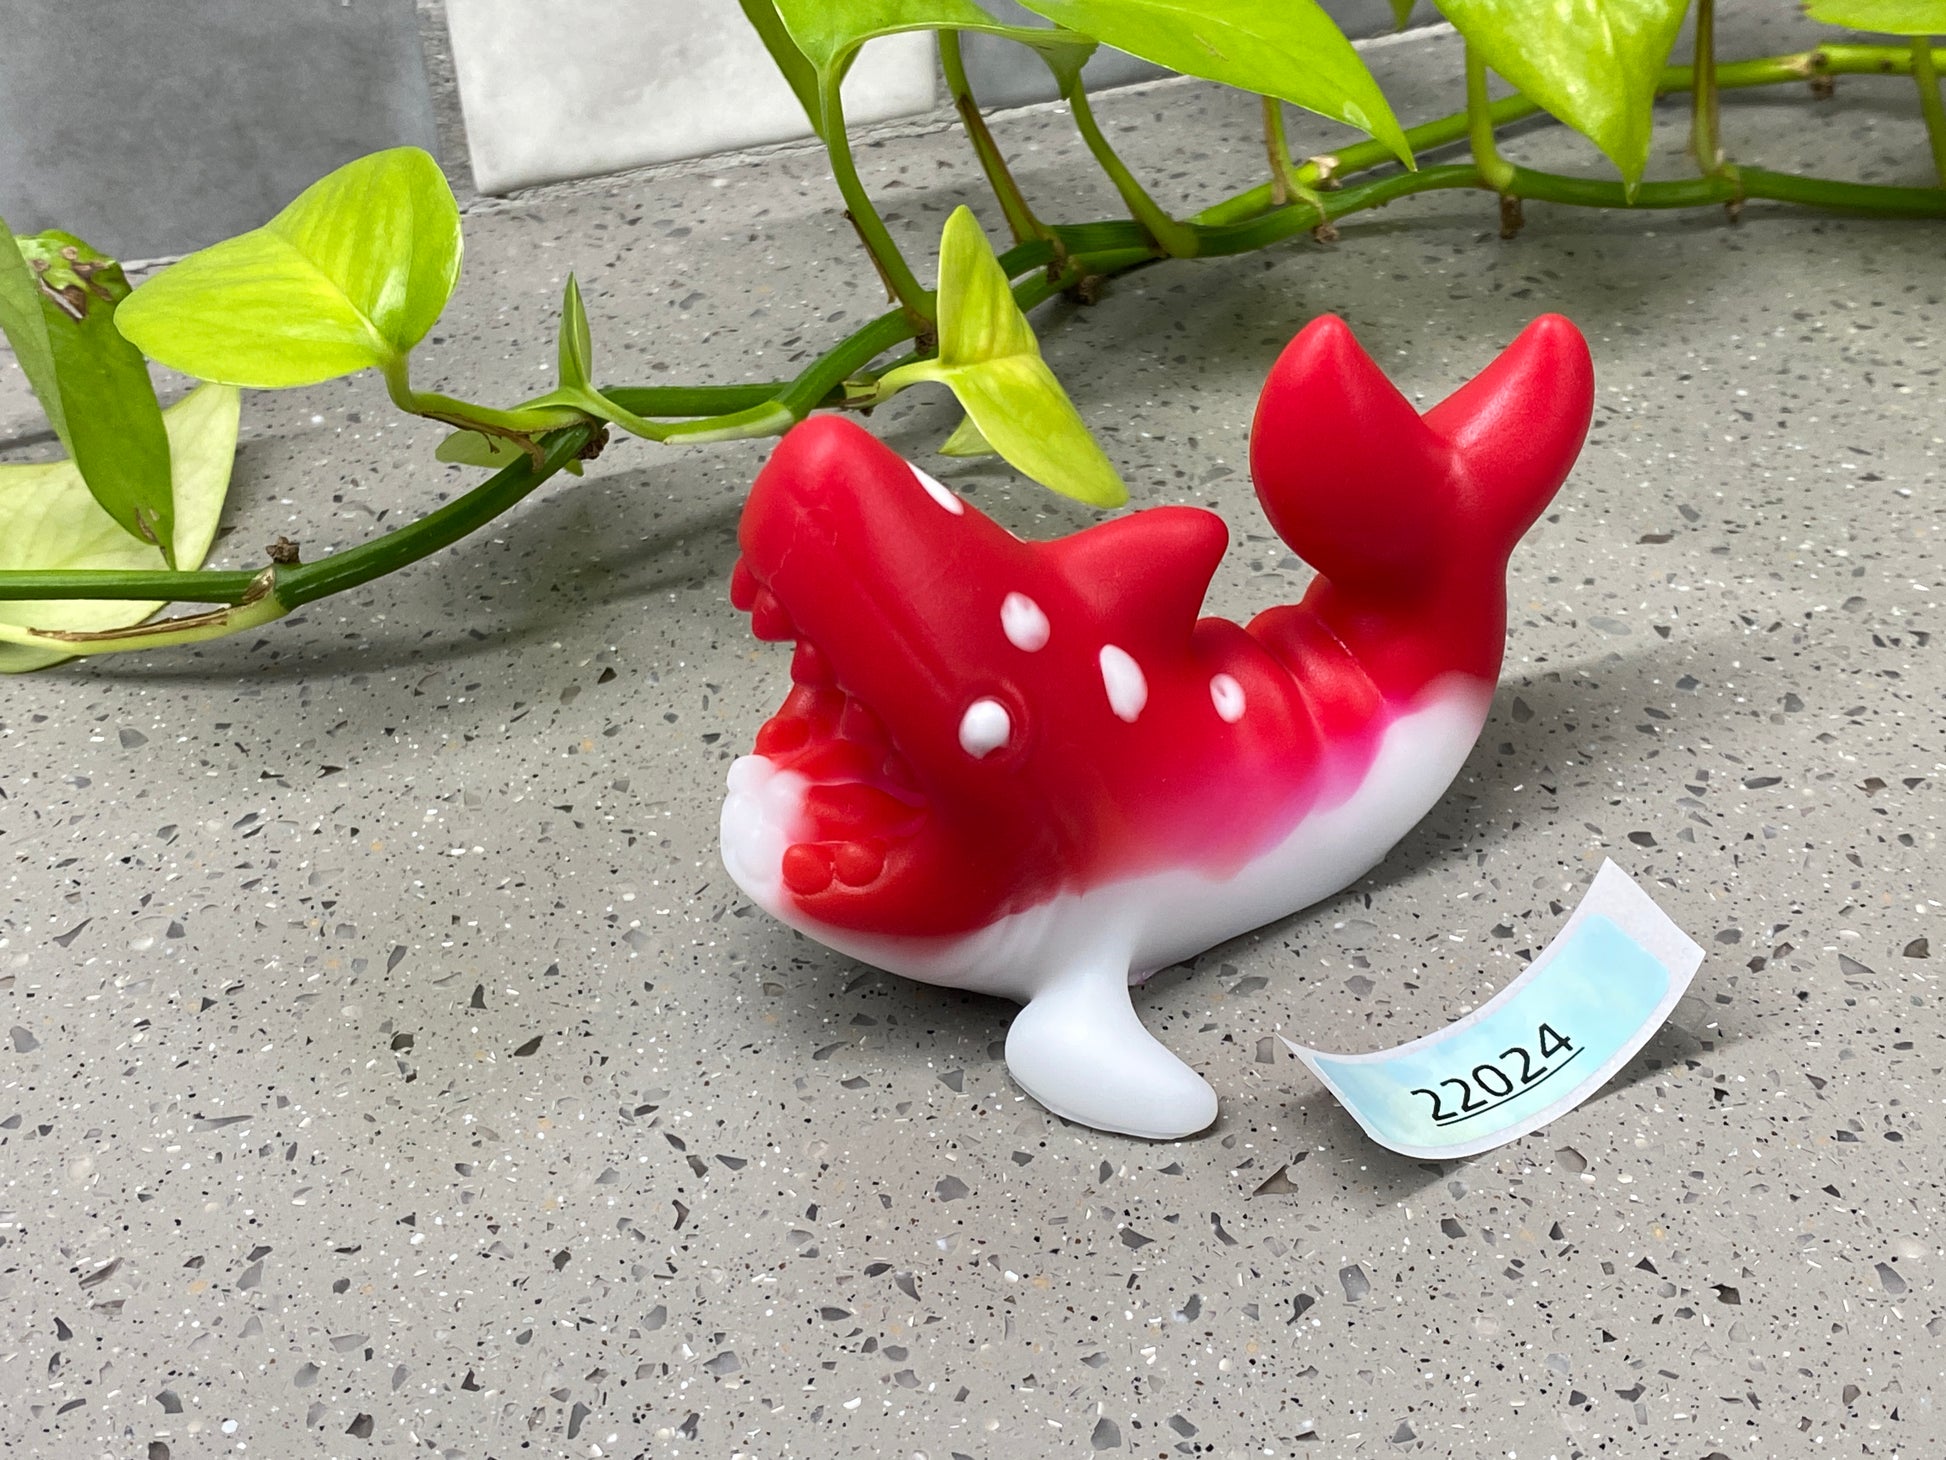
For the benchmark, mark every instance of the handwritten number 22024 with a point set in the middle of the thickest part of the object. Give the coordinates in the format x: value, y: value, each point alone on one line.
x: 1489, y: 1085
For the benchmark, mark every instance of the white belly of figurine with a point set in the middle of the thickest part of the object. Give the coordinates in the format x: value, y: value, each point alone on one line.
x: 1156, y: 919
x: 1060, y: 956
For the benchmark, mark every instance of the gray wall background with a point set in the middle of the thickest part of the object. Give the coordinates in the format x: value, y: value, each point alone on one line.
x: 152, y: 127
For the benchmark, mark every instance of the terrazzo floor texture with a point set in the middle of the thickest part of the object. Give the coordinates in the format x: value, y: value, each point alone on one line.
x: 391, y: 1067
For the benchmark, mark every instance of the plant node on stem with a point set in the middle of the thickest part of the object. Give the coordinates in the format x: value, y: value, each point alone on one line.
x: 1512, y: 216
x: 1085, y: 290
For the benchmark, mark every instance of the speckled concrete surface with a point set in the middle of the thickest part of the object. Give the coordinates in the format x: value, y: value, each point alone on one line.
x: 392, y: 1068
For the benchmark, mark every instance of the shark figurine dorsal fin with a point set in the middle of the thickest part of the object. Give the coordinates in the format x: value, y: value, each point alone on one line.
x: 1146, y: 573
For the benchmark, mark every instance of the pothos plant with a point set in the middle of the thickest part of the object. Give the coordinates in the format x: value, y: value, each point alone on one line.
x: 354, y: 273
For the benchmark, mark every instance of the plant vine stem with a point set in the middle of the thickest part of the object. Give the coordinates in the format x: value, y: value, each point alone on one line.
x: 1705, y: 138
x: 1171, y: 237
x: 1926, y: 76
x: 438, y: 529
x: 1498, y: 172
x: 1020, y: 217
x: 1547, y: 187
x: 1282, y: 170
x: 692, y: 400
x: 1833, y: 60
x: 293, y: 587
x: 517, y: 425
x: 259, y: 606
x: 168, y: 584
x: 1286, y: 184
x: 819, y: 384
x: 912, y: 297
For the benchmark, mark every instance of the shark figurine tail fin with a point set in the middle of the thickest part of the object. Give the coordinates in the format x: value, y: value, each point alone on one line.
x: 1517, y: 427
x: 1370, y: 493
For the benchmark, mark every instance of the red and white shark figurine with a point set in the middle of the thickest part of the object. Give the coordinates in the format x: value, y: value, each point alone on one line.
x: 1029, y: 769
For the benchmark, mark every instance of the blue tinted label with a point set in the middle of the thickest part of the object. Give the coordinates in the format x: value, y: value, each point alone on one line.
x: 1543, y: 1045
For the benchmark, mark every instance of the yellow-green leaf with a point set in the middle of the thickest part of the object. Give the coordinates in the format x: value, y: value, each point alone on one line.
x: 351, y: 275
x: 576, y: 348
x: 1594, y: 64
x: 1887, y: 17
x: 989, y: 358
x: 1283, y: 48
x: 966, y: 440
x: 798, y: 71
x: 57, y: 305
x: 471, y: 448
x: 48, y: 520
x: 828, y: 33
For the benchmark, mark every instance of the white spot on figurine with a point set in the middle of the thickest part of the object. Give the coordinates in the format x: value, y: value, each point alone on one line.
x: 1025, y: 625
x: 986, y: 726
x: 1122, y: 677
x: 939, y: 493
x: 1227, y: 695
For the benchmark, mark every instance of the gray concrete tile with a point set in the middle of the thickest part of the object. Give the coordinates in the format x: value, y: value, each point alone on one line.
x: 392, y: 1067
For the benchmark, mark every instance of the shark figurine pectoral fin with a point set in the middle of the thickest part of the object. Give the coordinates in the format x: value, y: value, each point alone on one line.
x: 1079, y: 1049
x: 1026, y: 769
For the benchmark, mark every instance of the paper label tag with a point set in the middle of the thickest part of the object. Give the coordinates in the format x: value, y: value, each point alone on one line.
x: 1539, y: 1047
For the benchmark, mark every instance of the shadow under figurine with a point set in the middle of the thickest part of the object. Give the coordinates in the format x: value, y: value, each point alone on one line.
x: 1029, y: 769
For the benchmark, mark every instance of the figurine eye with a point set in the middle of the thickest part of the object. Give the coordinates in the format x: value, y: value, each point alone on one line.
x: 985, y: 727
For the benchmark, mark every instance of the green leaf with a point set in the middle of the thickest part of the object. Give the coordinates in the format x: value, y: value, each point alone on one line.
x: 989, y: 358
x: 49, y: 521
x: 471, y: 448
x: 1887, y: 17
x: 351, y: 275
x: 966, y: 440
x: 829, y: 32
x: 1284, y: 48
x: 1402, y: 12
x: 1592, y: 63
x: 800, y: 73
x: 93, y: 384
x: 577, y: 349
x: 25, y: 326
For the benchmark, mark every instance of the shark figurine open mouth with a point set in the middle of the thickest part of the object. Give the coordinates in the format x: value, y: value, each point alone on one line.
x: 1029, y: 769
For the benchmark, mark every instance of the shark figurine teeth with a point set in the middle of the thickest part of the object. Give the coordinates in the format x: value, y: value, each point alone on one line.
x: 1032, y: 770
